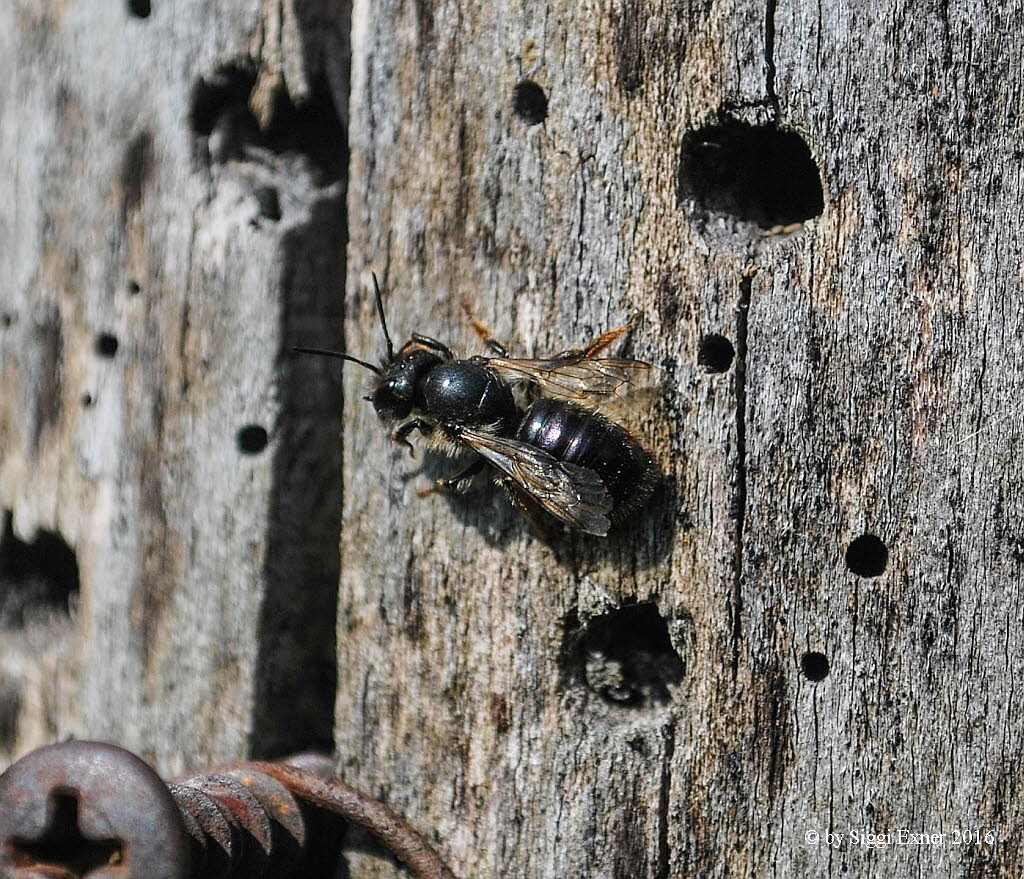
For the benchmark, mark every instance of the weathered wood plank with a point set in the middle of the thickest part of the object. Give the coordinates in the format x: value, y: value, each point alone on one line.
x: 162, y: 256
x: 871, y: 393
x: 692, y: 695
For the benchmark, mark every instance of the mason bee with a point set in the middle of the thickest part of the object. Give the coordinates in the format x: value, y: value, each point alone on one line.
x: 547, y: 444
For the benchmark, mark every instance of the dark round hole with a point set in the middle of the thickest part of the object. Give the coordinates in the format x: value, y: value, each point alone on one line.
x: 41, y: 573
x: 106, y: 345
x: 87, y: 400
x: 529, y: 102
x: 715, y: 353
x: 814, y: 666
x: 222, y: 93
x: 6, y: 320
x: 219, y: 104
x: 625, y: 656
x: 269, y: 203
x: 867, y: 556
x: 133, y: 288
x: 140, y: 8
x: 753, y: 174
x: 252, y: 439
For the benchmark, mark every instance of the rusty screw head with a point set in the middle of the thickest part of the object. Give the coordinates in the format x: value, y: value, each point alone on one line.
x: 88, y: 809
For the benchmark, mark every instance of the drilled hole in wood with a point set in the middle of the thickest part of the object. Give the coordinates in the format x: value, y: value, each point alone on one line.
x: 626, y: 657
x: 529, y: 102
x: 133, y: 288
x: 220, y: 111
x: 106, y: 345
x: 87, y: 400
x: 140, y: 8
x: 867, y: 556
x: 252, y: 439
x: 269, y: 203
x: 814, y: 665
x: 41, y: 574
x: 223, y: 92
x: 756, y: 175
x: 6, y: 320
x: 715, y: 353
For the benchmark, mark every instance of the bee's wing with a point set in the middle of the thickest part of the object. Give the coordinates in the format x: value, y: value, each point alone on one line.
x: 573, y: 377
x: 572, y: 494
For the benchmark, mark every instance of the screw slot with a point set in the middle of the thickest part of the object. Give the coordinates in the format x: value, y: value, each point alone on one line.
x: 62, y: 843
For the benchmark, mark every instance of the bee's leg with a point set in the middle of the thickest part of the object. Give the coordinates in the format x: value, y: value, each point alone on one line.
x: 401, y: 433
x: 597, y: 345
x: 444, y: 486
x: 604, y: 340
x: 434, y: 345
x: 483, y: 331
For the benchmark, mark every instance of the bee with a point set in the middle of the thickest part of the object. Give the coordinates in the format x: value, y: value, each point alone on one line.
x: 553, y: 452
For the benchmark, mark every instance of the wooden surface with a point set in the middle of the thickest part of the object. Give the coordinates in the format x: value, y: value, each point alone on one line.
x: 641, y: 706
x: 145, y: 205
x: 872, y: 393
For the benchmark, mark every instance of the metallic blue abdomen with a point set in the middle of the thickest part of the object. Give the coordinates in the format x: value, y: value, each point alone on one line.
x: 578, y: 436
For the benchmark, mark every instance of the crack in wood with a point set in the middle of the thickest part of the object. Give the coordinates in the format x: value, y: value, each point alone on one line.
x: 769, y: 56
x: 739, y: 502
x: 664, y: 804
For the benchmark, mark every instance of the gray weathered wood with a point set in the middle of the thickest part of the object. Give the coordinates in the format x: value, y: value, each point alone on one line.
x: 873, y: 391
x: 875, y: 395
x: 145, y: 205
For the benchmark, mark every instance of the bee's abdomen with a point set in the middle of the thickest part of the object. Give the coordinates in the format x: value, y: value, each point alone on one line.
x: 576, y: 435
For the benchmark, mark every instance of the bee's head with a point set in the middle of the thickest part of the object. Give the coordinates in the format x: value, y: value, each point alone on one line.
x: 400, y: 389
x: 400, y: 379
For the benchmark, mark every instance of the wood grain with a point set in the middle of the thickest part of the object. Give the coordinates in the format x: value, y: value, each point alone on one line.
x: 870, y: 393
x: 148, y: 206
x: 695, y: 694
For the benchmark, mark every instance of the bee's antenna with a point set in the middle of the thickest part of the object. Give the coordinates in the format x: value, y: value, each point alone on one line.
x: 383, y: 323
x: 340, y: 356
